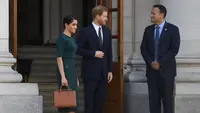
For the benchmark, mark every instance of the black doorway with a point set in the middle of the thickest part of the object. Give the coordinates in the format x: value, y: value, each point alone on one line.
x: 30, y: 22
x: 87, y: 11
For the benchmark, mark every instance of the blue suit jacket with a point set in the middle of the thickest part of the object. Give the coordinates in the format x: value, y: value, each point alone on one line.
x: 88, y: 43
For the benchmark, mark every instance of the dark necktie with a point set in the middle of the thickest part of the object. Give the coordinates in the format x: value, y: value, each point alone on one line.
x: 156, y: 40
x: 100, y: 37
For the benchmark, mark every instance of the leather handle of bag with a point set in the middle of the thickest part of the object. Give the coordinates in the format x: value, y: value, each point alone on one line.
x: 68, y: 88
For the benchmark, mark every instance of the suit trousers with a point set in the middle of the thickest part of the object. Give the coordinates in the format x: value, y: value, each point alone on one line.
x: 95, y: 95
x: 161, y: 91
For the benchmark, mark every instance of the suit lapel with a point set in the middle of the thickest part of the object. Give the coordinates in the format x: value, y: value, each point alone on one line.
x: 163, y: 33
x: 95, y: 37
x: 152, y: 34
x: 104, y: 36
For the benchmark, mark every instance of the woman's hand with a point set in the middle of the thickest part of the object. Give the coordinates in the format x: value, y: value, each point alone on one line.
x: 64, y: 81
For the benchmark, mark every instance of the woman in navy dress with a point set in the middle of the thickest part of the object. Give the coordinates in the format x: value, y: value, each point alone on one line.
x: 66, y: 53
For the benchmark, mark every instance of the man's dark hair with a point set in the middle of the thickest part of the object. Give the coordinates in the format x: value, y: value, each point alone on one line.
x: 162, y: 9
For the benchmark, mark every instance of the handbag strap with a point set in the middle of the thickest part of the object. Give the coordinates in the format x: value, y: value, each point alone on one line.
x: 68, y: 88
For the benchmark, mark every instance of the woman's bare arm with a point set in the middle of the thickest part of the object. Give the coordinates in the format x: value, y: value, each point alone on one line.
x: 60, y: 66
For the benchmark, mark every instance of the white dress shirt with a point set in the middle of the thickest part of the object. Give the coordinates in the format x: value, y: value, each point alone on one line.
x: 96, y: 27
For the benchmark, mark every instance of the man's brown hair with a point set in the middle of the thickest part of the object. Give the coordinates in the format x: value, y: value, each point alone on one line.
x: 98, y: 10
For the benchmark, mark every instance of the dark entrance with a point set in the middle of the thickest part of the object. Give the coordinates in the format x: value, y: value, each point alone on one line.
x: 30, y: 22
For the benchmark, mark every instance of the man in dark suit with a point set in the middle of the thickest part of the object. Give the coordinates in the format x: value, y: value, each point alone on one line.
x: 159, y: 47
x: 94, y: 45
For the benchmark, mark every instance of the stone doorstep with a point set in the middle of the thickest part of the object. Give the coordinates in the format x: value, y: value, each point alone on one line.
x: 21, y: 104
x: 187, y: 103
x: 20, y: 98
x: 187, y: 89
x: 180, y: 88
x: 19, y: 89
x: 187, y: 98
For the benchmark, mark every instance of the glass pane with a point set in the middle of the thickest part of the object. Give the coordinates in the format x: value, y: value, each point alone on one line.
x: 114, y: 23
x: 105, y: 3
x: 115, y: 43
x: 114, y: 3
x: 115, y: 50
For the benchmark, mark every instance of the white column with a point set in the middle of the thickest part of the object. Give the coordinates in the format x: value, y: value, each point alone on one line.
x: 142, y: 19
x: 128, y: 25
x: 136, y: 90
x: 186, y: 17
x: 16, y: 97
x: 185, y: 14
x: 141, y: 10
x: 7, y: 74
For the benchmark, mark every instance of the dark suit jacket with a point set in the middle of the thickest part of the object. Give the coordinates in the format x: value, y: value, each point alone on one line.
x: 168, y: 48
x: 88, y: 43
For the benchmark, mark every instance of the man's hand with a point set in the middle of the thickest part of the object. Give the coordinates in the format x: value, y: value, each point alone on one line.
x: 99, y: 54
x: 155, y: 65
x: 110, y: 77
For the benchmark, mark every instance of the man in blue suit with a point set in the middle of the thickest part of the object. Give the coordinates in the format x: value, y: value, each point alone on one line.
x: 159, y: 47
x: 95, y: 47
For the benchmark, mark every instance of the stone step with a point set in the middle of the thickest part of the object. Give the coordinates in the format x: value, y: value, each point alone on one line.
x: 47, y: 86
x: 43, y: 72
x: 44, y: 62
x: 80, y: 89
x: 21, y: 103
x: 54, y: 87
x: 48, y: 105
x: 37, y: 56
x: 48, y: 67
x: 49, y: 109
x: 37, y: 49
x: 42, y: 79
x: 53, y: 110
x: 46, y: 75
x: 51, y: 68
x: 49, y: 102
x: 50, y: 62
x: 49, y: 74
x: 49, y: 95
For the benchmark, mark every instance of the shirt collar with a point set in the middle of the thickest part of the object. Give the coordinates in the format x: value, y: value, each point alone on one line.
x: 161, y: 25
x: 95, y: 26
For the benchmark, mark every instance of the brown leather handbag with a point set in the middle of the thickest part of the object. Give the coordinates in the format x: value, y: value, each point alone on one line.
x: 64, y: 98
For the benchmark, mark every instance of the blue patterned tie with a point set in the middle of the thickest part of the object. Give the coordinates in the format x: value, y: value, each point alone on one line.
x: 156, y: 42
